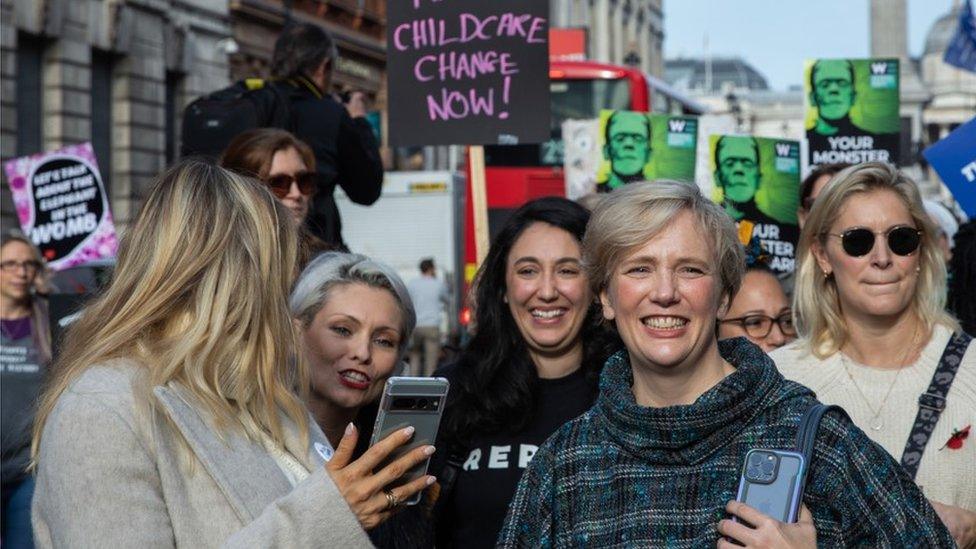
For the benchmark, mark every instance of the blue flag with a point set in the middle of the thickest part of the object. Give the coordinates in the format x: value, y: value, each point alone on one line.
x: 962, y: 50
x: 954, y: 159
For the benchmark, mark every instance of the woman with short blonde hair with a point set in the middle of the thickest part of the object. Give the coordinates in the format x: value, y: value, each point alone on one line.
x: 657, y: 459
x: 875, y: 338
x: 171, y: 419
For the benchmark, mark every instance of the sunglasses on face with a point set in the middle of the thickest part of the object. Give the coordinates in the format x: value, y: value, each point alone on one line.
x: 281, y: 183
x: 759, y: 326
x: 860, y: 241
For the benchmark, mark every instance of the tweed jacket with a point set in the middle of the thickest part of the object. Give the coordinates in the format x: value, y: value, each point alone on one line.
x: 624, y: 475
x: 105, y: 480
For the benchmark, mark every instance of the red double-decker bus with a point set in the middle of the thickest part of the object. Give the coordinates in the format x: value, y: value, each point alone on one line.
x: 515, y: 174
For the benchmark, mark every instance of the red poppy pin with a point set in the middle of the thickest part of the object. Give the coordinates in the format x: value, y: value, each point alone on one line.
x: 958, y: 435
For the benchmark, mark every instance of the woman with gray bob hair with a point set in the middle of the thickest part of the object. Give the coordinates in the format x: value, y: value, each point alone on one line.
x: 335, y: 268
x: 356, y: 318
x: 656, y: 461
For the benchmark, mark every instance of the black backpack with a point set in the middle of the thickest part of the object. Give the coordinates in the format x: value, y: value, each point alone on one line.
x: 211, y: 122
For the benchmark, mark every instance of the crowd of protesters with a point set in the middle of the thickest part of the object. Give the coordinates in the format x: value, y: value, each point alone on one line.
x: 222, y: 389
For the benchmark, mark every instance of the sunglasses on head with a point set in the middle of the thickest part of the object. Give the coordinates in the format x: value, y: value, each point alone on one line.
x: 860, y: 241
x: 281, y: 183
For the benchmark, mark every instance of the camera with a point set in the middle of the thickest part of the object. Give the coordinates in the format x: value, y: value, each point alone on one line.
x: 428, y: 404
x: 761, y: 467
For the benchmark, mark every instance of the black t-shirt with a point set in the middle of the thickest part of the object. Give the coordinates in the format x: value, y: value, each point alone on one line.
x: 494, y: 463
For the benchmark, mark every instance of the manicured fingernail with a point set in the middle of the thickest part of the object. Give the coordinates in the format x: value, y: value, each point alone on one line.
x: 350, y: 429
x: 431, y: 480
x: 408, y: 432
x: 429, y: 450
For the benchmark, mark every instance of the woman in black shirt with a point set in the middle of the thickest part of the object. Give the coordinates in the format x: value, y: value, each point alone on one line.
x: 531, y: 366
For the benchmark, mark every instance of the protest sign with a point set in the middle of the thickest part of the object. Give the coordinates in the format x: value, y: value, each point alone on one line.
x: 468, y: 72
x: 582, y: 157
x: 954, y: 159
x: 62, y: 205
x: 757, y: 180
x: 852, y: 110
x: 638, y: 146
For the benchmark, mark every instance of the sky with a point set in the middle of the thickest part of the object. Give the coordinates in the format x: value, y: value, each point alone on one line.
x: 776, y: 36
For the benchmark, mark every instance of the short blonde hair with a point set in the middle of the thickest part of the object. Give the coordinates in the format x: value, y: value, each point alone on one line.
x: 816, y: 304
x: 199, y: 297
x: 633, y: 214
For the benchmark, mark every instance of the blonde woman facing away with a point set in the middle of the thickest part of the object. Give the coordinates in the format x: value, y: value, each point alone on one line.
x: 869, y: 301
x: 172, y: 420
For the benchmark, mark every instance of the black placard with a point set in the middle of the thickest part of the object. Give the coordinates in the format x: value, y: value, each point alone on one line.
x: 471, y: 72
x: 69, y: 204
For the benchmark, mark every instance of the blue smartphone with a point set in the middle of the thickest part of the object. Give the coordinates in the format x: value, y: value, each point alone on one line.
x: 772, y: 483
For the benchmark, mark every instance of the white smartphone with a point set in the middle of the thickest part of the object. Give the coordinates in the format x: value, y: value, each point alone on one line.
x: 410, y: 401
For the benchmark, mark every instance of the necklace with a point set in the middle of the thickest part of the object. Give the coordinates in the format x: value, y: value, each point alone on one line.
x: 877, y: 422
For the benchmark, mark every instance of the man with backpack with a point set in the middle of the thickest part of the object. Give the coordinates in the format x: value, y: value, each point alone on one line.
x: 346, y: 152
x: 297, y: 99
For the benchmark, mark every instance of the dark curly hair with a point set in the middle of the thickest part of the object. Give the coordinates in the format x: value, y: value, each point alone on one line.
x: 494, y: 383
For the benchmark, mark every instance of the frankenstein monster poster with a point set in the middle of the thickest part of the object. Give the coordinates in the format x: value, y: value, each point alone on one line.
x: 756, y: 180
x: 852, y: 110
x: 638, y: 146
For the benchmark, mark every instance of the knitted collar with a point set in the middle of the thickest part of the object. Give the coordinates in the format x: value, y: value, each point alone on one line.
x: 688, y: 434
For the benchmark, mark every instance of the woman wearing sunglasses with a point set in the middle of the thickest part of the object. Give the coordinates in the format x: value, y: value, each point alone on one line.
x: 760, y: 310
x: 284, y: 162
x: 869, y: 302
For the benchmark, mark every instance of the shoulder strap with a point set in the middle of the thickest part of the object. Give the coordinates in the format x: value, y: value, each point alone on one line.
x: 806, y: 432
x: 806, y: 436
x: 933, y: 401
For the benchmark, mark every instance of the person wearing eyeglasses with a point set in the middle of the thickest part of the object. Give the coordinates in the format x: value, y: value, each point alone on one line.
x: 627, y: 147
x: 25, y: 350
x: 870, y: 310
x: 759, y: 311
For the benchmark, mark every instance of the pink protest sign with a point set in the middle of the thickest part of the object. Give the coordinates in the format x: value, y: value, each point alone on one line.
x: 62, y: 205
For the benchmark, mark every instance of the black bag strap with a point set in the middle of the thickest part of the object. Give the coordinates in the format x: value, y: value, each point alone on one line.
x: 806, y: 435
x: 806, y: 432
x: 933, y: 401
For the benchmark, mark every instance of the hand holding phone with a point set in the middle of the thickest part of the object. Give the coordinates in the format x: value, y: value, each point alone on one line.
x: 416, y: 402
x: 750, y: 528
x: 365, y: 490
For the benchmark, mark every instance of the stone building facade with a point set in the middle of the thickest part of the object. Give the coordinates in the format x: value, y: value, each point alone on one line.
x: 358, y: 27
x: 113, y: 72
x: 623, y: 32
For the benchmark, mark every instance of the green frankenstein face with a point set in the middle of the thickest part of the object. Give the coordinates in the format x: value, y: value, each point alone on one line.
x: 833, y: 88
x: 738, y: 168
x: 628, y: 143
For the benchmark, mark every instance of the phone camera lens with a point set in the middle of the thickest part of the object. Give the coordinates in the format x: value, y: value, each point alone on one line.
x: 421, y: 403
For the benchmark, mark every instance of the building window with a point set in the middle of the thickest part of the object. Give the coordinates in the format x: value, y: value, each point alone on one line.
x: 30, y: 54
x: 173, y: 82
x: 101, y: 114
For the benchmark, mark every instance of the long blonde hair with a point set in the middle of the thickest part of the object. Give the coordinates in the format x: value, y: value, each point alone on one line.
x: 816, y: 304
x: 199, y: 297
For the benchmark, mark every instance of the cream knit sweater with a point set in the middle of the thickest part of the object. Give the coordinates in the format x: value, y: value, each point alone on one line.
x: 945, y: 475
